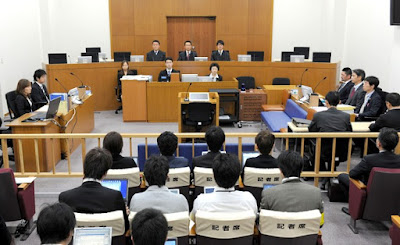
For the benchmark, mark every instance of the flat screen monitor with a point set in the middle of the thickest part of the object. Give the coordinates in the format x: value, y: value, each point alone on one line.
x: 209, y: 189
x: 95, y: 56
x: 303, y: 51
x: 93, y: 50
x: 199, y: 97
x: 190, y: 78
x: 200, y: 58
x: 297, y: 58
x: 121, y: 56
x: 60, y: 58
x: 256, y: 55
x: 244, y: 57
x: 249, y: 154
x: 118, y: 185
x: 137, y: 58
x: 84, y: 59
x: 285, y: 56
x: 204, y: 79
x: 321, y: 57
x: 93, y: 235
x: 395, y: 12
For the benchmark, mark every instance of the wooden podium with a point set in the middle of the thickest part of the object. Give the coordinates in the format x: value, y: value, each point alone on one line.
x: 214, y: 100
x: 134, y: 100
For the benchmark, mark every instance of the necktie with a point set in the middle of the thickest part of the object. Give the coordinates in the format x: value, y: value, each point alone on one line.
x: 220, y: 53
x: 44, y: 92
x: 364, y: 105
x: 341, y: 86
x: 353, y: 91
x: 169, y: 73
x: 156, y: 52
x: 187, y: 55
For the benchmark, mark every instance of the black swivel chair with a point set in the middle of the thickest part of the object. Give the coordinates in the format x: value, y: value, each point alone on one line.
x: 10, y: 98
x: 281, y: 81
x: 249, y: 82
x: 118, y: 95
x: 198, y: 115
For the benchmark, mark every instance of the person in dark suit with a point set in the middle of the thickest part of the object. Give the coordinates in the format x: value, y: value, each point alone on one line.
x: 355, y: 93
x: 91, y: 196
x: 386, y: 158
x: 187, y: 54
x: 215, y: 138
x: 370, y: 104
x: 39, y: 95
x: 125, y: 71
x: 23, y: 102
x: 220, y: 54
x: 156, y: 54
x: 214, y: 68
x: 113, y: 143
x: 345, y: 87
x: 167, y: 143
x: 391, y: 119
x: 265, y: 142
x: 165, y: 75
x: 292, y: 195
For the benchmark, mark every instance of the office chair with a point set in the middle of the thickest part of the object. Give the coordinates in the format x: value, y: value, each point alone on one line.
x: 10, y: 98
x: 198, y: 115
x: 281, y: 81
x: 249, y: 82
x: 4, y: 130
x: 118, y: 95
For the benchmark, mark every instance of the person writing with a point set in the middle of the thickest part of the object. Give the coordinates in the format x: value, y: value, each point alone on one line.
x: 23, y: 102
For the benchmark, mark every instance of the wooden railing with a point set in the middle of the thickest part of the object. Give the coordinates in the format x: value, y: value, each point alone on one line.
x: 19, y: 138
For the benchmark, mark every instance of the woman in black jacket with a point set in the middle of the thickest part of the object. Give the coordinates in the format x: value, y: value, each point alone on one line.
x: 23, y: 102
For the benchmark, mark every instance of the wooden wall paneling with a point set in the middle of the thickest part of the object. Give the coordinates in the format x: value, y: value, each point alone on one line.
x: 178, y: 31
x: 123, y: 44
x: 236, y: 44
x: 203, y: 35
x: 233, y: 17
x: 149, y: 17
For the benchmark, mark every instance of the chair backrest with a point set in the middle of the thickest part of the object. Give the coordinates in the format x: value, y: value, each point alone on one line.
x: 286, y: 225
x: 294, y: 110
x: 380, y: 205
x: 257, y: 177
x: 178, y: 177
x: 204, y: 177
x: 114, y: 219
x: 10, y: 98
x: 131, y: 174
x: 227, y: 225
x: 281, y: 81
x: 9, y: 205
x: 200, y: 112
x: 249, y: 82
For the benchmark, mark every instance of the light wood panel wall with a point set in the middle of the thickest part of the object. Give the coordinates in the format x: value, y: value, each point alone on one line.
x: 244, y: 25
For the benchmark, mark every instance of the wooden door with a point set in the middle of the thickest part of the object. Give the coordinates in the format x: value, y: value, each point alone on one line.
x: 200, y: 30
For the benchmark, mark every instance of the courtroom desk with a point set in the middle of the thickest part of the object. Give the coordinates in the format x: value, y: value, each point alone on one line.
x: 102, y: 77
x: 162, y: 103
x: 274, y: 93
x: 360, y: 127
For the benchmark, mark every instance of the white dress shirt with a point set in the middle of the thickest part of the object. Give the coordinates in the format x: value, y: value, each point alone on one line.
x: 366, y: 98
x: 41, y: 87
x: 214, y: 79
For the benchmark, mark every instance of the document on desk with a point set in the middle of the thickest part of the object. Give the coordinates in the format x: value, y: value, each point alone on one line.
x: 21, y: 180
x: 139, y: 77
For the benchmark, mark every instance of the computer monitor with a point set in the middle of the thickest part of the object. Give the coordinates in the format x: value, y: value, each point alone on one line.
x: 303, y: 51
x: 93, y: 235
x: 118, y: 185
x: 249, y: 154
x: 121, y: 56
x: 297, y: 58
x: 199, y: 97
x: 93, y: 50
x: 102, y: 56
x: 171, y: 241
x: 137, y: 58
x: 205, y: 79
x: 256, y: 55
x: 285, y: 56
x: 60, y: 58
x: 244, y: 57
x: 322, y: 57
x: 200, y: 58
x: 190, y: 78
x: 84, y: 59
x: 95, y: 56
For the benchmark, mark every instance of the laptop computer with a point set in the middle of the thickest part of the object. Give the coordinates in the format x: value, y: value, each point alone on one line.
x: 248, y: 154
x: 209, y: 189
x: 93, y: 235
x: 51, y: 111
x: 118, y: 185
x: 171, y: 241
x: 267, y: 186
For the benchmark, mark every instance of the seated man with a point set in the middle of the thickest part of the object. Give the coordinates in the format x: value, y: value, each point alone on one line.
x: 113, y: 143
x: 225, y: 198
x: 149, y: 227
x: 215, y: 138
x: 91, y: 196
x: 265, y: 142
x: 165, y: 75
x: 156, y: 54
x: 55, y: 224
x: 39, y: 94
x: 188, y: 54
x: 220, y: 54
x: 292, y: 195
x: 391, y: 119
x: 370, y: 103
x: 358, y: 79
x: 386, y: 158
x: 157, y: 195
x: 346, y: 86
x: 167, y: 143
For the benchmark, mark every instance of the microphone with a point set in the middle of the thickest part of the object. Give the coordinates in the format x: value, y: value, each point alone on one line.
x: 73, y: 74
x: 318, y: 84
x: 187, y: 94
x: 301, y: 80
x: 66, y: 90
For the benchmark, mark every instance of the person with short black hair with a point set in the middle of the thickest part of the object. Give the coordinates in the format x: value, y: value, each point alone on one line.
x: 165, y: 75
x: 370, y: 103
x: 91, y: 196
x: 55, y: 224
x: 292, y: 195
x: 265, y: 141
x: 226, y: 169
x: 156, y: 54
x: 345, y: 87
x: 386, y: 142
x: 158, y: 195
x: 215, y: 138
x: 357, y: 79
x: 149, y: 227
x: 167, y: 143
x: 214, y: 68
x: 187, y: 54
x: 39, y: 94
x: 113, y: 143
x: 220, y: 54
x: 5, y: 235
x: 391, y: 119
x: 23, y: 101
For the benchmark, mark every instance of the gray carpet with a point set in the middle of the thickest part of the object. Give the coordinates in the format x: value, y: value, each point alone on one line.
x: 335, y: 230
